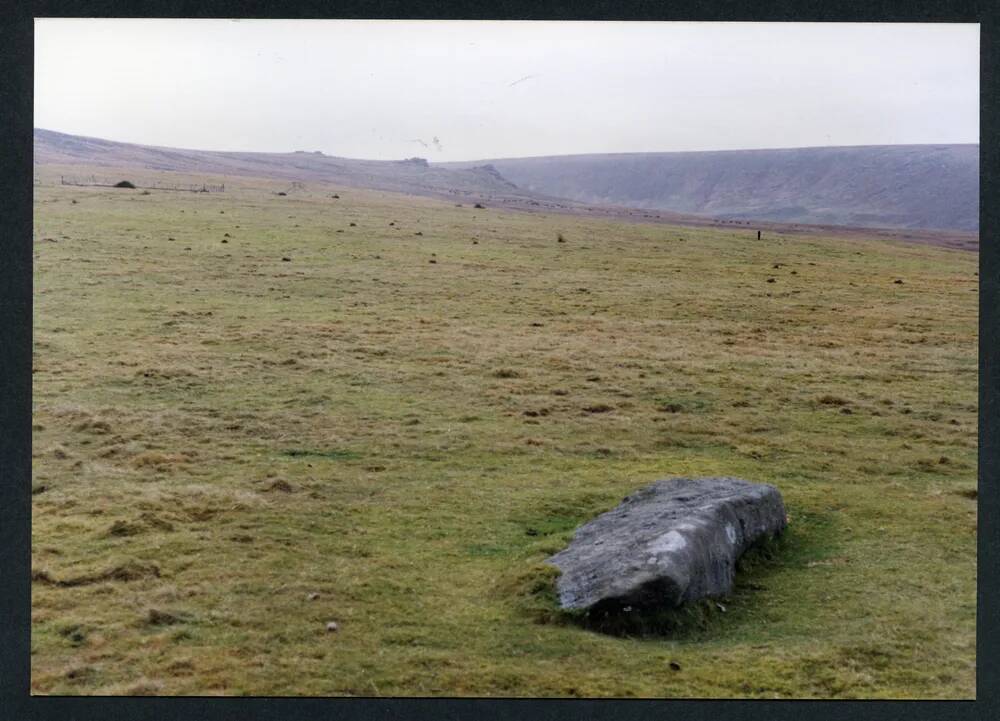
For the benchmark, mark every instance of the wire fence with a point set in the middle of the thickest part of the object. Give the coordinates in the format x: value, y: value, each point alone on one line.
x: 91, y: 180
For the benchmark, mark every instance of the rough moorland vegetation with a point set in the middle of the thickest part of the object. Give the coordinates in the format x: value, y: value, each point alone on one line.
x: 256, y: 415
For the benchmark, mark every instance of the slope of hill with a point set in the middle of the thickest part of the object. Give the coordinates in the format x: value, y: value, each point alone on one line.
x: 474, y: 182
x: 923, y: 194
x: 892, y: 186
x: 413, y: 175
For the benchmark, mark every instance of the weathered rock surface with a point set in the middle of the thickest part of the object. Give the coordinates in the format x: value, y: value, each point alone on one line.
x: 675, y: 541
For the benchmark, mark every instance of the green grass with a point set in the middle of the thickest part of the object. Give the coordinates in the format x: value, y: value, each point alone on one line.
x: 220, y: 434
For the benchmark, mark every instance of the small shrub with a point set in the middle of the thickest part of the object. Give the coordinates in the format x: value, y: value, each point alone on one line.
x: 124, y: 184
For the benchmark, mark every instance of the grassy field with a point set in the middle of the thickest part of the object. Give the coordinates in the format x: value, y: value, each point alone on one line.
x: 256, y: 414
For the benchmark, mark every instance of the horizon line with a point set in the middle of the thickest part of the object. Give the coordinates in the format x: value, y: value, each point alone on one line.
x: 511, y: 157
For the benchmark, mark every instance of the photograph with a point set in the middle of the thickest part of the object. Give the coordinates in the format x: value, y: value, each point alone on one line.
x: 504, y: 359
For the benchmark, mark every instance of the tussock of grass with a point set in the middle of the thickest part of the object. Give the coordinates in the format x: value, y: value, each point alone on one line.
x: 532, y: 587
x: 125, y: 572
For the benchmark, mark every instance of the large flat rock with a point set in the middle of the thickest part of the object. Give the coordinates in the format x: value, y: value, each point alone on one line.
x: 674, y: 541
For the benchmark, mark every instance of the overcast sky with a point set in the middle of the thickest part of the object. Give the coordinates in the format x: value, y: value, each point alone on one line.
x: 389, y: 89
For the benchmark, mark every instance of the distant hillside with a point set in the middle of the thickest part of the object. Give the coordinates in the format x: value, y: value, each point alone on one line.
x: 892, y: 186
x: 903, y: 189
x: 413, y: 175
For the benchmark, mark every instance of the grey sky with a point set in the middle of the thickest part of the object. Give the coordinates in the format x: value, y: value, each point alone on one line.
x: 376, y: 89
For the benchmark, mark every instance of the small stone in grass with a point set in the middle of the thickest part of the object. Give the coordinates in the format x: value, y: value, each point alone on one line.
x: 332, y: 627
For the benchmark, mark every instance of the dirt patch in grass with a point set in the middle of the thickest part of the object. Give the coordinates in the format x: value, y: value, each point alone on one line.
x: 333, y: 454
x: 157, y: 617
x: 279, y: 486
